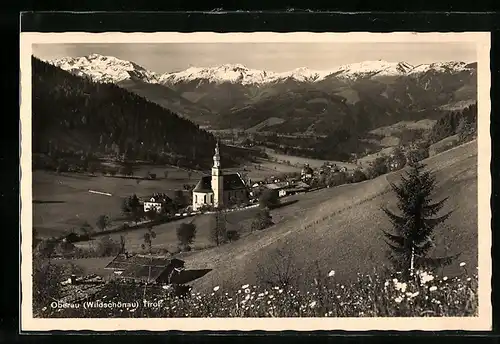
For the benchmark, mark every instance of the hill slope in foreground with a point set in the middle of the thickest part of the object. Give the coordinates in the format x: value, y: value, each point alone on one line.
x: 340, y: 228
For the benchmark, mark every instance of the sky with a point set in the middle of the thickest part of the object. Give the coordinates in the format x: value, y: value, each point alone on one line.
x: 276, y: 57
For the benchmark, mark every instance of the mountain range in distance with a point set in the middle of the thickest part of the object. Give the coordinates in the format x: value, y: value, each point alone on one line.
x: 232, y: 96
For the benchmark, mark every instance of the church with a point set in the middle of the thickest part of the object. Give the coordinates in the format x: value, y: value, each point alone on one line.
x: 219, y: 189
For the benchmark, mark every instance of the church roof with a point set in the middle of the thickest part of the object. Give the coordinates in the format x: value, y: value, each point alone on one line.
x: 230, y: 182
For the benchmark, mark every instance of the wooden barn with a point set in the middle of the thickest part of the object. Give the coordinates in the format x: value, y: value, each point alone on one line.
x: 146, y: 268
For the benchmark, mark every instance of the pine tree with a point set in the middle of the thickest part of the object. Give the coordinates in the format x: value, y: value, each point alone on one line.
x: 414, y: 228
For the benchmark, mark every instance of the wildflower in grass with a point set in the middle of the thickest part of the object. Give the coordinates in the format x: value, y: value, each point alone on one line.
x: 462, y: 264
x: 247, y: 291
x: 445, y: 278
x: 312, y: 304
x: 401, y: 287
x: 331, y: 273
x: 216, y: 288
x: 398, y: 299
x: 261, y: 294
x: 244, y: 286
x: 433, y: 288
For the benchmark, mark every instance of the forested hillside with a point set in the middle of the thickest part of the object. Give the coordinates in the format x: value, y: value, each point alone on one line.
x: 73, y: 114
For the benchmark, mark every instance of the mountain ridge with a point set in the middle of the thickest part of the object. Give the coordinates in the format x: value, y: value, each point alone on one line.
x: 107, y: 69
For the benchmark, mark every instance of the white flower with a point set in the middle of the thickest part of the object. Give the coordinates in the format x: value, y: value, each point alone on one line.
x: 398, y: 299
x: 244, y: 286
x: 412, y: 295
x: 247, y: 297
x: 386, y: 284
x: 462, y: 264
x: 401, y: 287
x: 247, y: 291
x: 261, y: 294
x: 216, y: 288
x: 331, y: 273
x: 468, y: 279
x: 312, y: 304
x: 425, y: 277
x: 433, y: 288
x: 445, y: 278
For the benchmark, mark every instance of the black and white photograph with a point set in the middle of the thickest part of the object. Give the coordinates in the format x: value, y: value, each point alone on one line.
x: 231, y: 181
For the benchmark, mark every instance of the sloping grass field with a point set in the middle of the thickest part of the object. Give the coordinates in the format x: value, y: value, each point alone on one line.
x: 340, y: 228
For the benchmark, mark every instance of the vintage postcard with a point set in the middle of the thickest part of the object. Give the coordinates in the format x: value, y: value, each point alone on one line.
x: 256, y: 181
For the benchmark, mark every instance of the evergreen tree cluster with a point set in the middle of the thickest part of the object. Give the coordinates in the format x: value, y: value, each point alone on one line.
x: 449, y: 123
x: 72, y: 113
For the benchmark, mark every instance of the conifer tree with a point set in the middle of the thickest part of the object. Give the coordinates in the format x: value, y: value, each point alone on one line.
x: 414, y: 228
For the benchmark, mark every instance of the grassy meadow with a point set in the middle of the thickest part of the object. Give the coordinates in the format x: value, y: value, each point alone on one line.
x: 62, y: 202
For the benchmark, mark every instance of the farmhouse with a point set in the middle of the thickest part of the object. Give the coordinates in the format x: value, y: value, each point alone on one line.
x: 219, y: 189
x: 146, y: 268
x: 306, y: 173
x: 280, y: 187
x: 157, y: 202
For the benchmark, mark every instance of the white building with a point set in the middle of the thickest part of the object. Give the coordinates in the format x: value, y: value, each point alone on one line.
x: 157, y: 202
x: 219, y: 189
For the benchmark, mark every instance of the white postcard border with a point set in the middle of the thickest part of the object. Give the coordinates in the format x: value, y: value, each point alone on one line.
x: 482, y: 322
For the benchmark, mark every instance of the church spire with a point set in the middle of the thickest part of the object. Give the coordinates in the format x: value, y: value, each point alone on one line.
x: 217, y: 156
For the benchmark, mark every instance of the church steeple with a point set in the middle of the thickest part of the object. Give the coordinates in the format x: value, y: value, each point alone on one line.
x: 217, y: 156
x: 217, y: 178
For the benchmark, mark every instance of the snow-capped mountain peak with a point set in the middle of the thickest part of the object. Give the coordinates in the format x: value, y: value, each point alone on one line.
x: 380, y: 67
x: 106, y: 69
x: 110, y: 69
x: 218, y: 74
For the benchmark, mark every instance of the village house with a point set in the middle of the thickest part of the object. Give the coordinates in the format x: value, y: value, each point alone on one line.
x: 146, y: 268
x: 220, y: 189
x: 288, y: 188
x: 280, y: 187
x: 156, y: 202
x: 153, y: 269
x: 306, y: 173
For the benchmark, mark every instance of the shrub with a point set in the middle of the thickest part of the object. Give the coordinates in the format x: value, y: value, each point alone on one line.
x: 107, y: 247
x: 262, y: 220
x: 269, y: 198
x: 186, y: 233
x: 233, y: 235
x: 358, y: 176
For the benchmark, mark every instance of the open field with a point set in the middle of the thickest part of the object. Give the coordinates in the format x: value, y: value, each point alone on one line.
x: 341, y: 228
x: 367, y: 159
x: 424, y: 124
x: 266, y: 169
x: 314, y: 163
x: 443, y: 144
x: 63, y: 202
